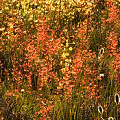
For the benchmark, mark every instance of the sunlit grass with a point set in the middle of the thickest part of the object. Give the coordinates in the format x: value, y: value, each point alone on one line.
x: 59, y: 60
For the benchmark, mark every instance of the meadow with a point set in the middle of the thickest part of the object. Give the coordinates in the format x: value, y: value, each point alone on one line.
x: 60, y: 60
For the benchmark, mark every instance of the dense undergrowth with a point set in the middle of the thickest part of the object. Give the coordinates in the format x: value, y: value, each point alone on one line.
x: 60, y: 60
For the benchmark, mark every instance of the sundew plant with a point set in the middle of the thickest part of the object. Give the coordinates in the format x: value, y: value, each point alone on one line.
x: 60, y: 60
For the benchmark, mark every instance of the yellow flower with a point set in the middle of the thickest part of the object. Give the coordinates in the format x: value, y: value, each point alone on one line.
x: 87, y: 11
x: 35, y: 20
x: 63, y: 55
x: 61, y: 44
x: 73, y: 42
x: 66, y: 64
x: 61, y: 62
x: 67, y: 54
x: 62, y: 3
x: 6, y: 8
x: 63, y: 69
x: 31, y: 17
x: 11, y: 25
x: 89, y: 4
x: 67, y: 45
x: 65, y: 30
x: 23, y: 3
x: 25, y: 12
x: 66, y: 60
x: 66, y: 41
x: 70, y: 48
x: 1, y: 29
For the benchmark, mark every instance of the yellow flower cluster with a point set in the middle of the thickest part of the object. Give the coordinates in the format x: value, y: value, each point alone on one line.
x: 87, y: 4
x: 67, y: 49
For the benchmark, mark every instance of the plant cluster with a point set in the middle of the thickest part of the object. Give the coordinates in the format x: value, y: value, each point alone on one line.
x: 59, y: 60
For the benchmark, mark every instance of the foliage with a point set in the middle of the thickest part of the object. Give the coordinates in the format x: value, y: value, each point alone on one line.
x: 59, y: 59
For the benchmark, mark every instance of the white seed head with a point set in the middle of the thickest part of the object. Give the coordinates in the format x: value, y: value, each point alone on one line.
x: 98, y: 57
x: 92, y: 1
x: 100, y: 109
x: 110, y: 118
x: 22, y: 90
x: 101, y: 51
x: 101, y: 75
x: 117, y: 98
x: 24, y: 31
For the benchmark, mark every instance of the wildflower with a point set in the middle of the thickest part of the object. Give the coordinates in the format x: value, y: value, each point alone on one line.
x: 101, y: 75
x: 61, y: 62
x: 11, y: 25
x: 64, y: 55
x: 1, y: 118
x: 99, y: 78
x: 66, y: 64
x: 116, y: 98
x: 62, y: 45
x: 67, y: 54
x: 100, y: 109
x: 110, y: 118
x: 66, y: 60
x: 73, y: 42
x: 22, y: 90
x: 70, y: 48
x: 67, y: 45
x: 35, y: 21
x: 1, y: 29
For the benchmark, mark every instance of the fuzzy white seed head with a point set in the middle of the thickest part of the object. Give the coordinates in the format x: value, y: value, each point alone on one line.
x: 101, y: 52
x: 22, y: 90
x: 117, y: 98
x: 110, y: 118
x: 101, y: 75
x: 100, y: 109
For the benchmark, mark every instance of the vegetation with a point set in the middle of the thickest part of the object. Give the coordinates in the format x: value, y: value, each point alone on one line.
x: 59, y: 60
